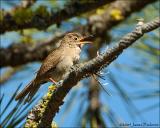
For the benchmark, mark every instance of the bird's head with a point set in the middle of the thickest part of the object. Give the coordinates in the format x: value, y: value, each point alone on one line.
x: 76, y: 39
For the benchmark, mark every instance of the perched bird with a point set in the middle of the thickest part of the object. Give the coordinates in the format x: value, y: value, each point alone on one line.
x: 56, y: 64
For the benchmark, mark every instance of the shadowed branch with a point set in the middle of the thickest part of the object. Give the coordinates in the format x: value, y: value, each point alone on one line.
x: 41, y: 18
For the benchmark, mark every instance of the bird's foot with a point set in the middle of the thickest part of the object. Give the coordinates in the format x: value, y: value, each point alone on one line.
x: 56, y: 83
x: 99, y: 53
x: 59, y: 83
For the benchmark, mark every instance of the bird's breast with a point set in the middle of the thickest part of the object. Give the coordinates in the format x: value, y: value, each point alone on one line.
x: 70, y: 56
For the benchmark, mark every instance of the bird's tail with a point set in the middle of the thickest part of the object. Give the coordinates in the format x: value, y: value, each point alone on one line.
x: 29, y: 91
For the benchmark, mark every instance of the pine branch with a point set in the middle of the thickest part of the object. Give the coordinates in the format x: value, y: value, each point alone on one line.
x: 53, y: 101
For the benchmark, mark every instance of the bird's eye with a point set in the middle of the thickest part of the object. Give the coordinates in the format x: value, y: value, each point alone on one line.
x: 75, y: 38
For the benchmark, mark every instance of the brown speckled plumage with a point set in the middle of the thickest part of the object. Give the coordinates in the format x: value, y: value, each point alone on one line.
x: 56, y: 64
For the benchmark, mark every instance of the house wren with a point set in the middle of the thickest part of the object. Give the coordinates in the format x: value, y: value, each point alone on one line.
x: 56, y: 64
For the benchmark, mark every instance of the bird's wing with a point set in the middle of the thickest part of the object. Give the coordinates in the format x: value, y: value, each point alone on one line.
x: 50, y: 62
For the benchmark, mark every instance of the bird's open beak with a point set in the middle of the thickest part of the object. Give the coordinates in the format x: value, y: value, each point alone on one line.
x: 86, y: 40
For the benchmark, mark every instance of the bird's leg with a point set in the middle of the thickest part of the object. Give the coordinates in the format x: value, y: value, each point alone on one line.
x: 53, y: 81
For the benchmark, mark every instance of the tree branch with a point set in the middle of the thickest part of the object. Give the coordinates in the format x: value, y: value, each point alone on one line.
x: 49, y: 106
x: 41, y: 18
x: 18, y: 54
x: 21, y: 53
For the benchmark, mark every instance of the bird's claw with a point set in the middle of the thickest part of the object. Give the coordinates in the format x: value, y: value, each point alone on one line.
x: 56, y: 83
x: 59, y: 83
x: 98, y: 54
